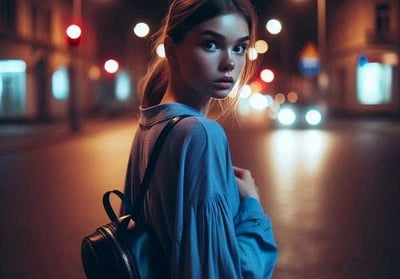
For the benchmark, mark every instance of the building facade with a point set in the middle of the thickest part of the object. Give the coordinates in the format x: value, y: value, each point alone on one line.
x: 363, y: 49
x: 40, y: 71
x: 35, y: 59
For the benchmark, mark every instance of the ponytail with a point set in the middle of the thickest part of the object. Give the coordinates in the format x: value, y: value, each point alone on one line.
x: 155, y: 82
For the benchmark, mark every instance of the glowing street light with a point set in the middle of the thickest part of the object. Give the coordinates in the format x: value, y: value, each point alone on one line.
x: 274, y: 26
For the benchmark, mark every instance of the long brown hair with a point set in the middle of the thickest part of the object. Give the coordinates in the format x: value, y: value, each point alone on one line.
x: 182, y: 16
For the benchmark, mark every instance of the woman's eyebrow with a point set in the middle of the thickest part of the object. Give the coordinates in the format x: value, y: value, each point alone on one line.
x: 222, y: 37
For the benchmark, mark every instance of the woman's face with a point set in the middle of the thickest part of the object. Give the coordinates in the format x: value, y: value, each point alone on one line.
x: 211, y: 57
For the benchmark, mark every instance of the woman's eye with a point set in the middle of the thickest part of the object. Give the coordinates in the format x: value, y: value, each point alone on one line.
x: 240, y: 49
x: 210, y: 45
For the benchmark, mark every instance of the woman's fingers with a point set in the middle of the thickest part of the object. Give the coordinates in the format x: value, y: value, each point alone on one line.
x: 245, y: 181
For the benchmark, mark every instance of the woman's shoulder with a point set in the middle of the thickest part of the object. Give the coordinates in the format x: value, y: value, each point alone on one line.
x: 199, y: 126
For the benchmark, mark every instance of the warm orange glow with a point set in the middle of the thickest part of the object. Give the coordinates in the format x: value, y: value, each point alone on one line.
x: 292, y: 97
x: 309, y: 51
x: 280, y: 98
x: 256, y: 87
x: 261, y: 46
x: 390, y: 58
x: 94, y: 73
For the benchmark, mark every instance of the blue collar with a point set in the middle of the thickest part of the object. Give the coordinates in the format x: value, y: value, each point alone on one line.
x: 159, y: 113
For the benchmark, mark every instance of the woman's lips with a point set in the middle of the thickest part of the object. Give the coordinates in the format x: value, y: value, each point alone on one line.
x: 224, y: 83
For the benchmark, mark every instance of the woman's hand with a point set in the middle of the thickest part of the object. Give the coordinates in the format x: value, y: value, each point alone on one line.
x: 245, y: 181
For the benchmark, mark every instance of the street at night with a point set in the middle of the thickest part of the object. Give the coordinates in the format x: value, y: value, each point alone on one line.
x: 333, y: 195
x: 317, y: 85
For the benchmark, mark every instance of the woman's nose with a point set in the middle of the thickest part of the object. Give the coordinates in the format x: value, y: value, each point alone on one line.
x: 227, y: 65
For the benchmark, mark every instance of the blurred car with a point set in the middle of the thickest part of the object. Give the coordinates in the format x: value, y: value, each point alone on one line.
x: 302, y: 115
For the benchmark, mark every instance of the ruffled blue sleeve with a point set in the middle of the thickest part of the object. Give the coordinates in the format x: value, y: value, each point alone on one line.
x: 222, y: 236
x: 209, y: 242
x: 256, y: 242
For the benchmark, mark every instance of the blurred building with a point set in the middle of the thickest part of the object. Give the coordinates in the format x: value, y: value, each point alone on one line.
x: 363, y: 49
x: 361, y: 57
x: 36, y: 58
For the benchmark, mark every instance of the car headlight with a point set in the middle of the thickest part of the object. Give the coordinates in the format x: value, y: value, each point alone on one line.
x: 313, y: 117
x: 286, y: 116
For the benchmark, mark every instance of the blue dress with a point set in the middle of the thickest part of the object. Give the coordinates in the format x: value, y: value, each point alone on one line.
x: 206, y: 229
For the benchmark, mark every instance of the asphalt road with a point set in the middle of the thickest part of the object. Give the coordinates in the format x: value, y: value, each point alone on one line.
x: 333, y: 196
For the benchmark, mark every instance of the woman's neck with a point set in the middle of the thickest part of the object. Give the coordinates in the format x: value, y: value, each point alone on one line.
x: 182, y: 96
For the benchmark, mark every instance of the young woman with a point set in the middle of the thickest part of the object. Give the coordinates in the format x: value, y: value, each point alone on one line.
x: 205, y: 211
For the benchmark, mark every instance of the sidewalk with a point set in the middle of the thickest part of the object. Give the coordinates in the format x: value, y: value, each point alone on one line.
x: 22, y: 136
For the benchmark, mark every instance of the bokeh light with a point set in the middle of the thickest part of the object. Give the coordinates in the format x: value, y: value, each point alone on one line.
x: 252, y: 53
x: 267, y: 75
x: 94, y: 73
x: 292, y: 97
x: 245, y: 92
x: 259, y: 101
x: 286, y: 116
x: 141, y: 29
x: 274, y: 26
x: 73, y: 31
x: 313, y: 117
x: 111, y: 66
x: 256, y: 87
x: 160, y: 50
x: 280, y: 98
x: 261, y: 46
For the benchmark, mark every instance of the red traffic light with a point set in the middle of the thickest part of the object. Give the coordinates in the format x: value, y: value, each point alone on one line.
x: 73, y: 33
x: 111, y: 66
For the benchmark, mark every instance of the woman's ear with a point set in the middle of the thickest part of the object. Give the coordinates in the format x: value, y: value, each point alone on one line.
x: 170, y: 51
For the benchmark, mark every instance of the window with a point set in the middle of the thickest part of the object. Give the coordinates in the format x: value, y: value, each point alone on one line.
x: 382, y: 22
x: 60, y: 84
x: 123, y: 86
x: 12, y: 88
x: 8, y: 16
x: 374, y: 82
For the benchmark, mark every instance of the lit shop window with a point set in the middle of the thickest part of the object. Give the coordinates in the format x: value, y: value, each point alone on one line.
x: 12, y: 87
x: 123, y: 86
x: 60, y: 84
x: 374, y: 82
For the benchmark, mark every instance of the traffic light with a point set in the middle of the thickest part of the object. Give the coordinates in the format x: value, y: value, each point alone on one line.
x: 74, y: 34
x: 111, y: 66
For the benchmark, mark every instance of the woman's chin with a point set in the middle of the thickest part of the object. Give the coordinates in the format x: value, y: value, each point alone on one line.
x: 221, y: 93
